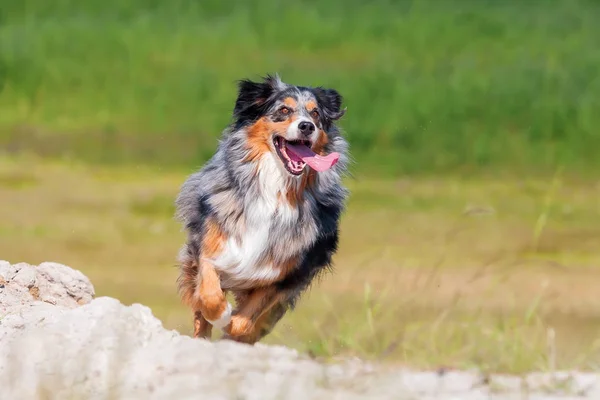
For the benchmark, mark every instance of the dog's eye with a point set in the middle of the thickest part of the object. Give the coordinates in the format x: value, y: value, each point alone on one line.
x: 314, y: 114
x: 285, y: 110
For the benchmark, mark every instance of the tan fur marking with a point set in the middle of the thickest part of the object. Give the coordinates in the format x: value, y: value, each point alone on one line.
x: 240, y: 325
x: 263, y: 325
x: 286, y: 266
x: 252, y: 307
x: 200, y: 286
x: 290, y: 102
x: 213, y: 239
x: 295, y: 194
x: 322, y: 141
x: 259, y: 136
x: 310, y: 105
x: 210, y: 299
x: 250, y: 335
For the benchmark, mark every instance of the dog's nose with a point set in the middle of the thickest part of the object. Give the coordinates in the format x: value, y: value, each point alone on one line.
x: 306, y: 128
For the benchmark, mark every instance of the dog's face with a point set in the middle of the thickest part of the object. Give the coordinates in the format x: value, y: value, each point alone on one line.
x: 293, y: 122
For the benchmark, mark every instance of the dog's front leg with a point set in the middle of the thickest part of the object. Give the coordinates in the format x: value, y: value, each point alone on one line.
x: 255, y: 304
x: 210, y: 301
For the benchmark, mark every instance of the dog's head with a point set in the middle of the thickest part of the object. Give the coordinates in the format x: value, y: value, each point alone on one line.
x: 293, y: 122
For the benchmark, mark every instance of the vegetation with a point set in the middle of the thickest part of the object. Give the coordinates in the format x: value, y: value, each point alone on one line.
x: 429, y: 85
x: 447, y: 268
x: 430, y: 273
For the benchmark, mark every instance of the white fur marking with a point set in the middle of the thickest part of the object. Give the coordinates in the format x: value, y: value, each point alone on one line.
x: 224, y: 319
x: 293, y: 133
x: 240, y: 261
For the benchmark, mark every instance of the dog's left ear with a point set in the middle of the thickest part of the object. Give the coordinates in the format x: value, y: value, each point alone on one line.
x: 331, y: 102
x: 253, y: 96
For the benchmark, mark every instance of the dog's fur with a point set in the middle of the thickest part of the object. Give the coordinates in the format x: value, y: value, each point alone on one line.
x: 254, y: 228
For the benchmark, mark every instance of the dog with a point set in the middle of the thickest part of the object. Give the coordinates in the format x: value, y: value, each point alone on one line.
x: 262, y: 215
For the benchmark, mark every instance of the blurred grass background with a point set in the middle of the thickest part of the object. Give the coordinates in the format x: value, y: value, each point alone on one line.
x: 429, y: 84
x: 472, y: 234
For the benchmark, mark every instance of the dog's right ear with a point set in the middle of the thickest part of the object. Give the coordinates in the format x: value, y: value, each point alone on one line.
x: 254, y: 96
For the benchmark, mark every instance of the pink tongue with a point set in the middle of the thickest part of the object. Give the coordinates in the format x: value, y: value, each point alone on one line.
x: 316, y: 162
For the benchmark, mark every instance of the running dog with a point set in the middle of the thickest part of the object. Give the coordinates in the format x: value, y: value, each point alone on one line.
x: 262, y: 215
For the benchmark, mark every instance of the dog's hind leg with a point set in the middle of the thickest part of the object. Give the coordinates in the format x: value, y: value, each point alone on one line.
x: 187, y: 282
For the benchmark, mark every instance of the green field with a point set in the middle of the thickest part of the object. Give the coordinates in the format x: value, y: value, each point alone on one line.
x: 429, y: 85
x: 500, y: 274
x: 473, y: 229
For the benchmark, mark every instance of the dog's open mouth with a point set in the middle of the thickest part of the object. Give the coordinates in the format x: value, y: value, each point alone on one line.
x: 296, y: 154
x: 291, y: 161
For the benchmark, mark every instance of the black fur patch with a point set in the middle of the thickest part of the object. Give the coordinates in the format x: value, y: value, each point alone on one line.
x: 319, y: 256
x: 254, y: 99
x: 316, y: 260
x: 330, y: 102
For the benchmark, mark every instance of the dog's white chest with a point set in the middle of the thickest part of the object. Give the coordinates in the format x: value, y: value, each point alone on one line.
x: 244, y: 259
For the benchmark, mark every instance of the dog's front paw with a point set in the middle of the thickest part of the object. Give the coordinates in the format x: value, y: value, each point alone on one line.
x: 239, y: 326
x: 223, y: 320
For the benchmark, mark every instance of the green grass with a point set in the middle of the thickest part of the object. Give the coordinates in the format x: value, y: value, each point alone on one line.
x: 447, y: 271
x: 429, y: 85
x: 465, y: 268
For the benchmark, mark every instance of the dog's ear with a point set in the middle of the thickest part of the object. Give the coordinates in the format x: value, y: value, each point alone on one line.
x: 330, y: 102
x: 253, y: 96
